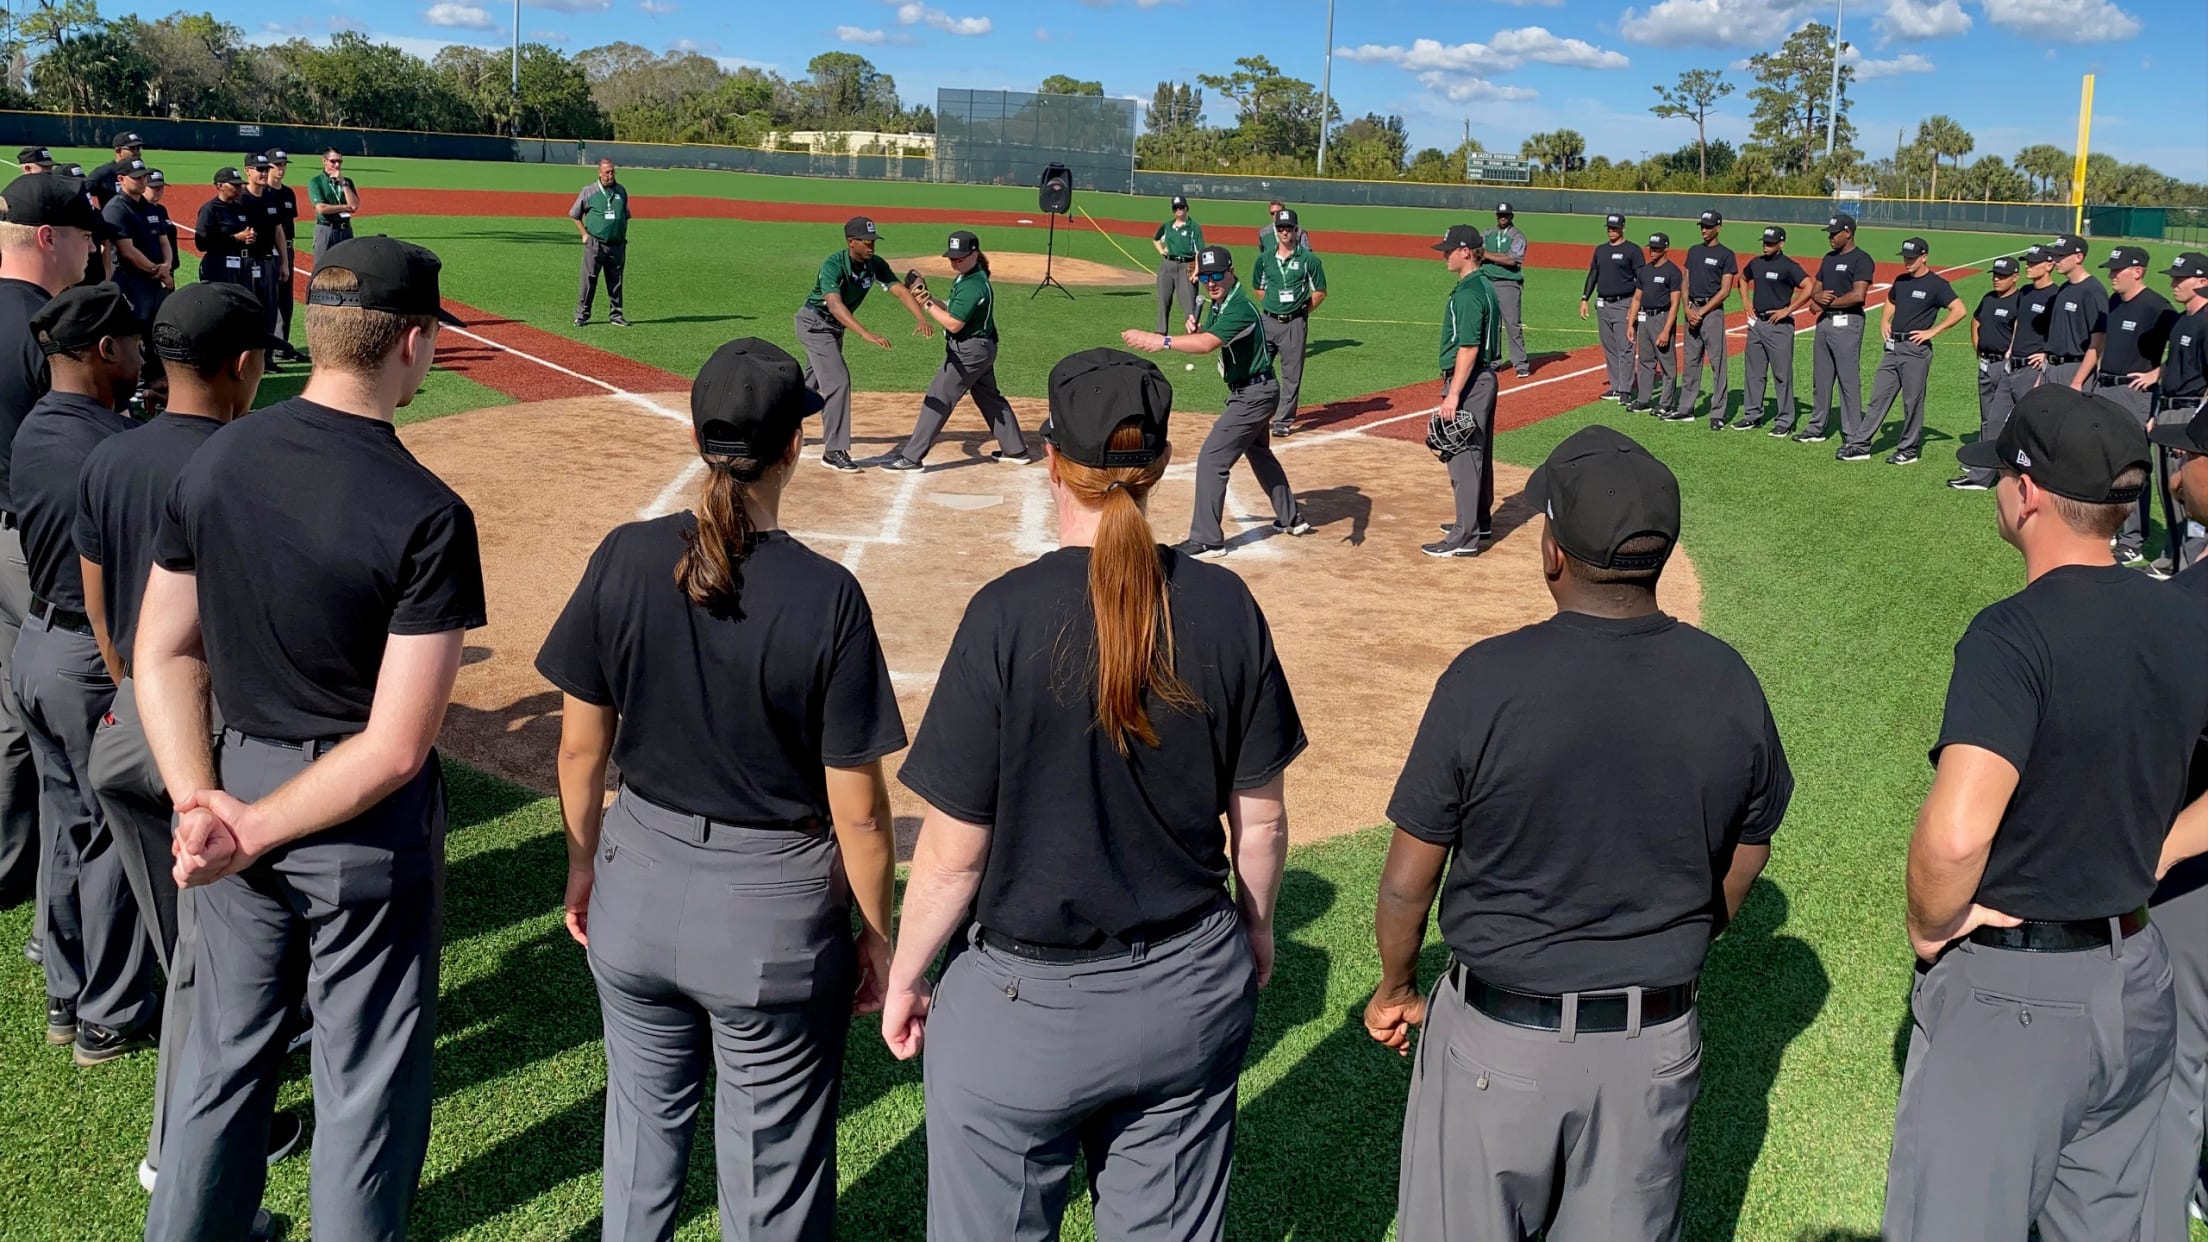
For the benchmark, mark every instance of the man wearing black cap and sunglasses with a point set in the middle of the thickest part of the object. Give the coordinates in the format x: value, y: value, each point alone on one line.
x: 1777, y: 287
x: 1712, y: 272
x: 2040, y: 1050
x: 1613, y: 272
x: 830, y: 310
x: 127, y: 146
x: 1905, y: 347
x: 2077, y: 324
x: 328, y: 630
x: 2132, y: 344
x: 1559, y: 1055
x: 1504, y: 264
x: 1836, y: 344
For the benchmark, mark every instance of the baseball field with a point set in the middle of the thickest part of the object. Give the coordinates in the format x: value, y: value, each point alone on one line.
x: 1845, y: 587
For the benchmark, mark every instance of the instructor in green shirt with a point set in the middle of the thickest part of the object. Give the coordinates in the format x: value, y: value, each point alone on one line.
x: 1463, y: 427
x: 1177, y: 241
x: 335, y: 200
x: 1505, y: 269
x: 969, y: 321
x: 829, y: 311
x: 1291, y: 283
x: 601, y: 216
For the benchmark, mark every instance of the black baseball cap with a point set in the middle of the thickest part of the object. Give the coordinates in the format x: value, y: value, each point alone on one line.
x: 749, y: 399
x: 207, y: 322
x: 1711, y: 219
x: 2004, y: 266
x: 1660, y: 241
x: 960, y: 245
x: 276, y: 156
x: 1503, y: 209
x: 35, y: 155
x: 1285, y: 218
x: 1214, y: 259
x: 254, y: 162
x: 396, y: 277
x: 227, y: 175
x: 1460, y: 235
x: 2065, y: 245
x: 132, y: 167
x: 1179, y: 202
x: 2125, y: 256
x: 1613, y: 221
x: 1842, y: 223
x: 1601, y: 489
x: 155, y: 176
x: 1915, y: 248
x: 1774, y: 234
x: 2034, y: 255
x: 76, y: 318
x: 126, y: 139
x: 859, y: 228
x: 2190, y: 263
x: 2070, y: 443
x: 1092, y: 393
x: 43, y: 198
x: 70, y: 170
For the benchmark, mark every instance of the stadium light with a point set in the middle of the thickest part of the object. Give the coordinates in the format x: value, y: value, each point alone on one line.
x: 1326, y: 86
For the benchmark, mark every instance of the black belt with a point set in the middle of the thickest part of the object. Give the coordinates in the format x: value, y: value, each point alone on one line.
x: 2113, y: 379
x: 2057, y: 360
x: 1288, y: 317
x: 2069, y: 937
x: 1147, y: 937
x: 1599, y: 1012
x: 1180, y: 258
x: 61, y: 618
x: 1251, y: 382
x: 702, y: 826
x: 1993, y: 355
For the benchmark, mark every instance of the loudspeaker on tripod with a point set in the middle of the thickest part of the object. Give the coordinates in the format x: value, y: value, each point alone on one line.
x: 1054, y: 192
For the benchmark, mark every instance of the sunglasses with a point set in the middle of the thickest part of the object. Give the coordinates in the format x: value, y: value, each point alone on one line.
x: 1210, y: 278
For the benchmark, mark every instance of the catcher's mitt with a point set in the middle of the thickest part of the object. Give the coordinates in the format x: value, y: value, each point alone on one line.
x: 1452, y: 432
x: 917, y: 283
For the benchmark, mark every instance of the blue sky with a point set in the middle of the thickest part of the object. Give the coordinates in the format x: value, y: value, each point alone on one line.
x: 1509, y: 66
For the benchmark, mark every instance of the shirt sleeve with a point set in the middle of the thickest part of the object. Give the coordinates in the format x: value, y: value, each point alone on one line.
x: 172, y: 542
x: 1197, y: 232
x: 441, y: 581
x: 859, y: 722
x: 954, y: 759
x: 966, y: 298
x: 1518, y: 246
x: 1272, y: 730
x: 570, y: 657
x: 1943, y: 294
x: 1728, y: 263
x: 1772, y: 789
x: 1431, y: 793
x: 1994, y: 697
x: 1318, y: 272
x: 2096, y: 312
x: 85, y: 532
x: 582, y: 201
x: 1159, y: 235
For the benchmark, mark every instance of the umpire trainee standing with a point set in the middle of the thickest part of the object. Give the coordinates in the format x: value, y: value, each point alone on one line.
x: 734, y: 675
x: 329, y: 630
x: 2183, y: 376
x: 1836, y: 347
x: 265, y: 256
x: 1612, y: 276
x: 2040, y: 1050
x: 1777, y: 287
x: 1231, y: 330
x: 2138, y: 332
x: 1561, y: 1051
x: 224, y: 232
x: 143, y: 268
x: 1713, y: 270
x: 969, y: 322
x: 1463, y: 427
x: 830, y: 310
x: 1504, y: 263
x: 2035, y: 314
x: 1905, y: 357
x: 601, y: 216
x: 335, y: 200
x: 1177, y: 240
x: 1993, y: 329
x: 98, y: 980
x: 287, y: 209
x: 1291, y: 283
x: 1657, y: 297
x: 2077, y: 324
x: 1101, y: 998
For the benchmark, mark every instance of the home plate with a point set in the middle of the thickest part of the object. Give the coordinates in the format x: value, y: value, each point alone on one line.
x: 964, y: 502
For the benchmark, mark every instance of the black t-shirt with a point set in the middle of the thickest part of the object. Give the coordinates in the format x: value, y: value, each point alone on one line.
x: 1996, y: 318
x: 265, y: 213
x: 23, y: 374
x: 731, y: 717
x: 2138, y: 333
x: 1838, y: 271
x: 287, y: 209
x: 1707, y: 267
x: 101, y: 181
x: 1086, y: 845
x: 1918, y: 301
x: 121, y: 496
x: 1658, y: 283
x: 219, y: 224
x: 2080, y: 310
x: 1772, y: 279
x: 2035, y: 308
x: 49, y: 452
x: 129, y: 221
x: 157, y: 216
x: 2185, y: 367
x: 1588, y: 829
x: 1612, y: 270
x: 2090, y: 682
x: 315, y: 536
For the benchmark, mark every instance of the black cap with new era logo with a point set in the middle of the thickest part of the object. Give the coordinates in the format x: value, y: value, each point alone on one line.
x: 395, y: 277
x: 1773, y: 234
x: 1460, y: 235
x: 2125, y: 256
x: 1613, y: 221
x: 1915, y: 248
x: 1841, y: 223
x: 1213, y: 259
x: 2070, y: 443
x: 748, y: 400
x: 1711, y: 219
x: 1602, y: 490
x: 2189, y: 264
x: 1096, y: 390
x: 859, y: 228
x: 961, y: 244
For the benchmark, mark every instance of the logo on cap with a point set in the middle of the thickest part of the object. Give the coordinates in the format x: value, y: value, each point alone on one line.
x: 2023, y: 460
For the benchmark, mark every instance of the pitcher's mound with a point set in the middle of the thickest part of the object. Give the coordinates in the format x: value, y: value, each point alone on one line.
x: 1014, y: 267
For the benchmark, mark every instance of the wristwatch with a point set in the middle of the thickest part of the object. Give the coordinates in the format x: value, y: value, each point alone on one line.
x: 1168, y: 340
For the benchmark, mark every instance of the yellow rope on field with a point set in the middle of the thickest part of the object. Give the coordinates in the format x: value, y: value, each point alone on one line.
x: 1140, y: 266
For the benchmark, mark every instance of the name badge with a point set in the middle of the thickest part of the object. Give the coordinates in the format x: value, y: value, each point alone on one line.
x: 1889, y: 344
x: 1642, y: 317
x: 1839, y: 321
x: 609, y: 213
x: 1287, y: 295
x: 344, y: 215
x: 1984, y: 365
x: 233, y: 263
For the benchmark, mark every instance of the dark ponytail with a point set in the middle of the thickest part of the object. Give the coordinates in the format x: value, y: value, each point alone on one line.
x: 711, y: 570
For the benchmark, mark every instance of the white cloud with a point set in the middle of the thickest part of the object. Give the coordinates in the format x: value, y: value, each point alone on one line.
x: 853, y: 34
x: 657, y: 8
x: 1535, y: 43
x: 548, y: 36
x: 1922, y: 19
x: 2063, y: 21
x: 1461, y: 88
x: 1716, y: 23
x: 1867, y: 70
x: 693, y: 46
x: 460, y: 16
x: 913, y: 13
x: 1508, y: 50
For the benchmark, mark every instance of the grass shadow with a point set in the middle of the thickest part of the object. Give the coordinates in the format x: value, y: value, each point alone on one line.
x: 1315, y: 348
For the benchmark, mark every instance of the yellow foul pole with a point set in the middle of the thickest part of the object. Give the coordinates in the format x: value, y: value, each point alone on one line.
x: 2077, y: 171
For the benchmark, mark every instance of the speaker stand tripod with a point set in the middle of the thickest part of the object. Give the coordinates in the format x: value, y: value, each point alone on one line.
x: 1049, y: 255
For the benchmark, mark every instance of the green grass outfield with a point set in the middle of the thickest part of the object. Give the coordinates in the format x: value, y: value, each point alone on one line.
x: 1844, y: 586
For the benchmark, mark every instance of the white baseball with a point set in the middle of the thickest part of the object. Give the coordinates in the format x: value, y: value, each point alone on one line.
x: 1188, y: 366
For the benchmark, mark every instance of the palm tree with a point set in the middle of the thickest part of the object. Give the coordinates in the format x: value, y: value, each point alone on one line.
x: 1943, y: 135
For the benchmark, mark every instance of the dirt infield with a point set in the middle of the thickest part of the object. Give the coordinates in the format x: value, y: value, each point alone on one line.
x: 1021, y: 267
x: 1363, y: 621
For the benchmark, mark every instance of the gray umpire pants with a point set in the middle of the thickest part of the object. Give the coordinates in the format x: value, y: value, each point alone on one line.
x: 2023, y: 377
x: 1770, y: 352
x: 826, y: 373
x: 327, y: 234
x: 2140, y: 405
x: 1132, y: 1062
x: 2032, y: 1094
x: 1995, y: 399
x: 1472, y: 472
x: 1513, y: 1133
x: 969, y: 369
x: 270, y: 279
x: 1510, y: 298
x: 724, y: 949
x: 350, y: 920
x: 1699, y: 346
x: 1614, y: 328
x: 19, y: 851
x: 1656, y: 371
x: 1836, y: 359
x: 2181, y: 915
x: 1244, y: 429
x: 2063, y: 372
x: 1903, y: 367
x: 1287, y: 339
x: 609, y: 259
x: 1174, y: 289
x: 96, y: 952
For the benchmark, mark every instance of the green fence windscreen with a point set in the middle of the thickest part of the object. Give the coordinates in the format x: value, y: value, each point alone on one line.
x: 1008, y: 137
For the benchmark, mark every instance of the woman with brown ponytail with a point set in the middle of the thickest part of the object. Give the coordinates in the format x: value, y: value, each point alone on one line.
x: 734, y: 676
x: 1100, y: 711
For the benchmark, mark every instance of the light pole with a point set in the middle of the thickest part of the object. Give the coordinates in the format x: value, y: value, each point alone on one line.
x: 1832, y: 105
x: 516, y: 93
x: 1326, y: 86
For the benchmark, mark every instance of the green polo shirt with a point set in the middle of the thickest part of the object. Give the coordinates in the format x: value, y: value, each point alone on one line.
x: 848, y: 280
x: 1287, y: 284
x: 1500, y: 241
x: 1472, y: 319
x: 1182, y: 241
x: 604, y: 211
x: 973, y: 303
x: 1243, y: 354
x: 325, y: 190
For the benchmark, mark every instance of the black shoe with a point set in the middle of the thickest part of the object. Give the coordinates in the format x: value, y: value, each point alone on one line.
x: 61, y: 1021
x: 1283, y: 430
x: 1616, y: 396
x: 1452, y: 546
x: 1200, y: 551
x: 1852, y: 454
x: 1816, y: 438
x: 1297, y: 527
x: 1967, y: 484
x: 97, y: 1045
x: 898, y: 461
x: 1028, y: 458
x: 1902, y: 457
x: 291, y: 353
x: 618, y: 320
x: 580, y: 320
x: 1525, y: 372
x: 270, y: 366
x: 1681, y: 416
x: 837, y: 459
